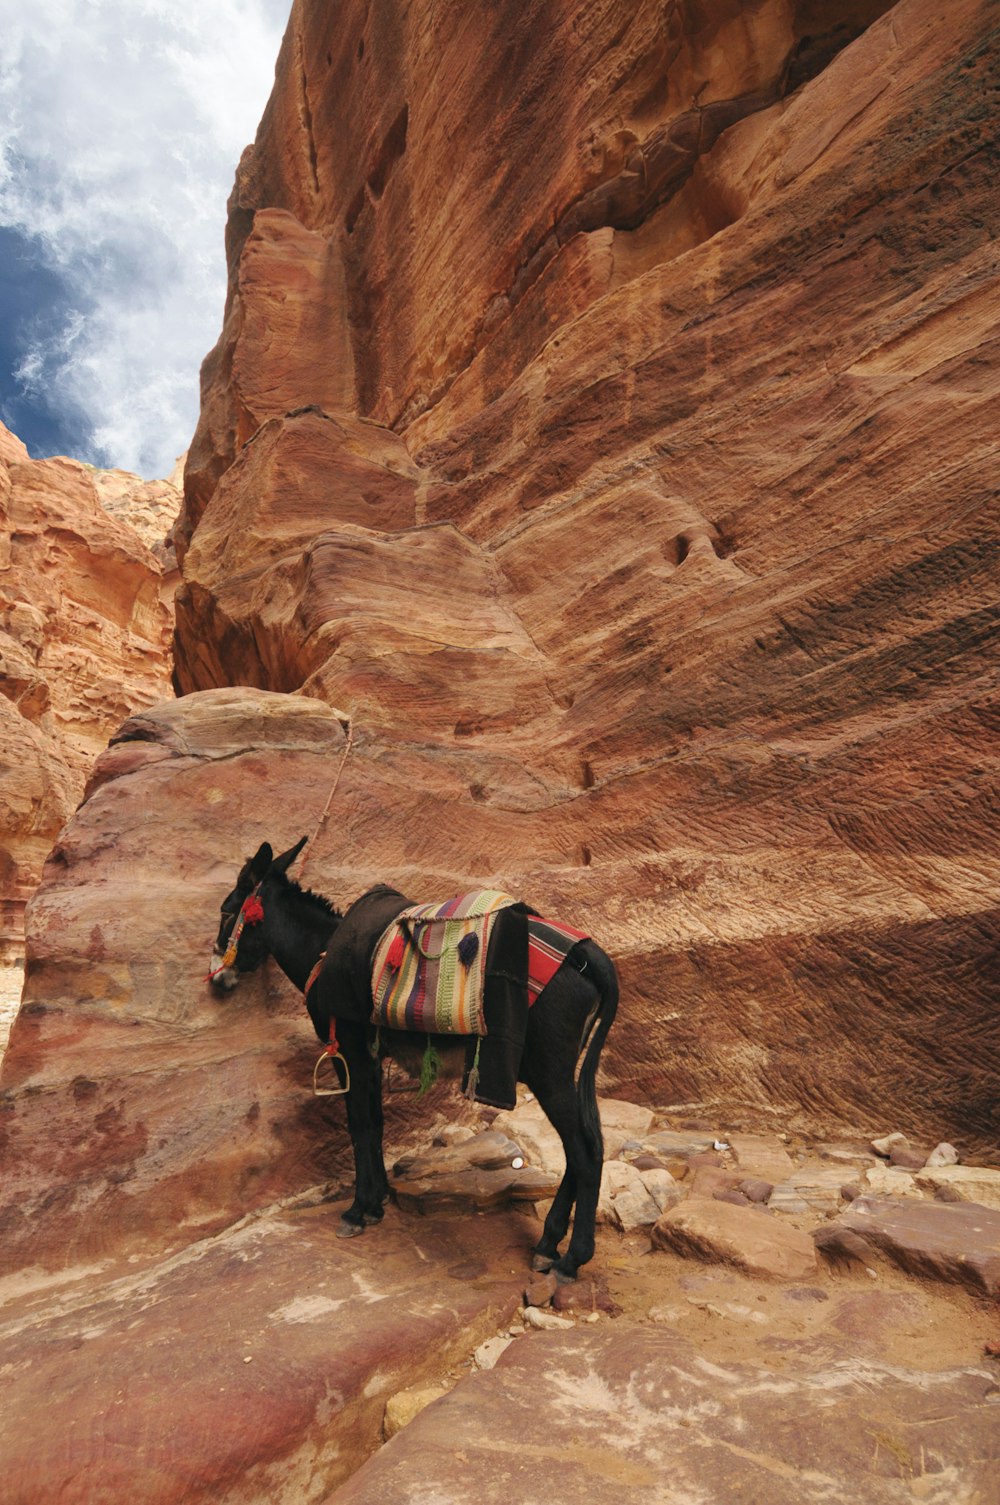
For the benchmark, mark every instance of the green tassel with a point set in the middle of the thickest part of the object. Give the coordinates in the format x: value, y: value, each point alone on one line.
x: 430, y: 1066
x: 473, y: 1082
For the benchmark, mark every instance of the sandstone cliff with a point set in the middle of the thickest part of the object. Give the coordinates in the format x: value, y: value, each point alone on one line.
x: 602, y: 415
x: 602, y: 419
x: 85, y: 618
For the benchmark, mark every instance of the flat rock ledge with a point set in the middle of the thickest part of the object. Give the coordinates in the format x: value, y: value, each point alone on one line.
x: 254, y: 1366
x: 747, y: 1239
x: 949, y: 1241
x: 629, y: 1412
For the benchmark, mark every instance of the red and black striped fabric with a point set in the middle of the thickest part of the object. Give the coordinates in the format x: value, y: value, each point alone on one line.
x: 549, y: 943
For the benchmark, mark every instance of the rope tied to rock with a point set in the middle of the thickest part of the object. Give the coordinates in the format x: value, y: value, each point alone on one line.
x: 348, y: 726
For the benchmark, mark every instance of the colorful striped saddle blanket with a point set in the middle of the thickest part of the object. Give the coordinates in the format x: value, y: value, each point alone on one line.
x: 429, y: 965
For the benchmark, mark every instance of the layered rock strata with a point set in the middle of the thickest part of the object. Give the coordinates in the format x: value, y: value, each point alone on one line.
x: 86, y: 615
x: 603, y: 417
x: 139, y: 1108
x: 138, y: 1105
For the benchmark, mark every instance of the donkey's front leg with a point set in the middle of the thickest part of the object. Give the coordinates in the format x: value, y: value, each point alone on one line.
x: 364, y: 1119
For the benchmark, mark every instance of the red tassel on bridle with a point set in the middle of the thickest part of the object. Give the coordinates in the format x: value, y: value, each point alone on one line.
x: 253, y: 910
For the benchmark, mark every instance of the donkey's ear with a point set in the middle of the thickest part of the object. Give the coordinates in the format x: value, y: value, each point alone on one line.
x: 260, y: 863
x: 283, y: 863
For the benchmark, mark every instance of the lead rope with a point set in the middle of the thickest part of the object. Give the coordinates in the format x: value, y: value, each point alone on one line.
x: 348, y: 725
x: 332, y: 1052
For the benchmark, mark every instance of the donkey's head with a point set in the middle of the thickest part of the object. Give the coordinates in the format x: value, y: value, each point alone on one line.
x: 241, y: 944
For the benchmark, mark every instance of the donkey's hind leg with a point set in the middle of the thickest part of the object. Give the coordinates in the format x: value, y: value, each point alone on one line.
x: 560, y: 1022
x: 556, y: 1223
x: 581, y: 1183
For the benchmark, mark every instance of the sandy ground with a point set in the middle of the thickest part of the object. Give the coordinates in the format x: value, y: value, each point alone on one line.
x: 735, y: 1318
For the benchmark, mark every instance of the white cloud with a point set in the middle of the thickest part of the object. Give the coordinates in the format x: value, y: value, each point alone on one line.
x: 121, y: 124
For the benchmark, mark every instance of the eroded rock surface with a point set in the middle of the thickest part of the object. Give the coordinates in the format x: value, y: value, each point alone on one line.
x: 942, y: 1241
x: 287, y: 1355
x: 138, y: 1108
x: 603, y: 418
x: 85, y: 621
x: 253, y: 1365
x: 636, y: 1411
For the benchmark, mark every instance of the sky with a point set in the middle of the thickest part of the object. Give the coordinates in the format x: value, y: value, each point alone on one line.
x: 121, y: 125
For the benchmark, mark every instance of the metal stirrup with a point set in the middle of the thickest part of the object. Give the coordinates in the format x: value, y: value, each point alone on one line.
x: 331, y: 1056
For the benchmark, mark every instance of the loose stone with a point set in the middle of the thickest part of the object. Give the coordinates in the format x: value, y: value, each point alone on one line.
x: 548, y: 1321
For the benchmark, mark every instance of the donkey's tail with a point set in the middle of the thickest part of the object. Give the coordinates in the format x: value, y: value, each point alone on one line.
x: 601, y: 970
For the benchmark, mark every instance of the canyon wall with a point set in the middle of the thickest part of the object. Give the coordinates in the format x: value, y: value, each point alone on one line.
x: 602, y: 416
x: 602, y: 421
x: 86, y: 613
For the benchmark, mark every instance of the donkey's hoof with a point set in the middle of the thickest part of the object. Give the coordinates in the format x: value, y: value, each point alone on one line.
x: 349, y: 1230
x: 562, y: 1278
x: 542, y: 1263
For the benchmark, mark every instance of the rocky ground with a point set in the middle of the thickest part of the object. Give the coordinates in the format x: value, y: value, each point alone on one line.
x: 762, y: 1321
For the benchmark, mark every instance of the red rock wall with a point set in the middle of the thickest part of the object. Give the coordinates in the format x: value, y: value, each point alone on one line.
x: 659, y: 573
x: 86, y: 615
x: 610, y: 435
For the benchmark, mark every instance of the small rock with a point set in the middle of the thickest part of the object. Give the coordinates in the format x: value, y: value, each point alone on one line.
x: 661, y: 1186
x: 487, y: 1353
x: 453, y: 1134
x: 744, y: 1237
x: 646, y: 1162
x: 889, y: 1181
x: 946, y: 1193
x: 706, y: 1180
x: 584, y: 1296
x: 703, y: 1158
x: 624, y: 1200
x: 534, y: 1316
x: 539, y: 1292
x: 906, y: 1158
x: 401, y: 1408
x: 884, y: 1145
x: 762, y: 1155
x: 850, y: 1190
x: 755, y: 1189
x: 737, y: 1198
x: 942, y: 1154
x: 670, y: 1314
x: 728, y: 1309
